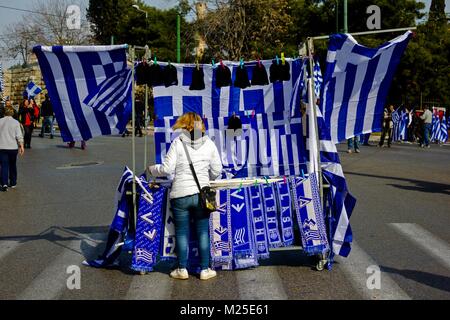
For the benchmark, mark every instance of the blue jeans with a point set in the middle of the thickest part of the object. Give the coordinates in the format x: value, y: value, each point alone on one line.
x: 48, y: 121
x: 183, y: 209
x: 353, y: 142
x: 8, y: 160
x: 427, y: 133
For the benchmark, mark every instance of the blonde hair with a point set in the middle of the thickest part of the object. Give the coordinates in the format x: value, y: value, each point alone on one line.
x: 189, y: 121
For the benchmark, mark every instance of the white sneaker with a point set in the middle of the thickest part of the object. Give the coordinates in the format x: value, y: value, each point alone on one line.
x: 181, y: 274
x: 349, y: 151
x: 207, y: 274
x: 357, y: 151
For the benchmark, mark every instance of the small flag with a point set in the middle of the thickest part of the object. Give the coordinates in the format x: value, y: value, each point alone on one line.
x: 32, y: 90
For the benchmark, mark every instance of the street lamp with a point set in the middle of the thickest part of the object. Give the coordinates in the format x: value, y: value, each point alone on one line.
x: 135, y: 6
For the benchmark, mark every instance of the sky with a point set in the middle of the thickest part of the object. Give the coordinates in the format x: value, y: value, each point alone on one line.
x: 8, y: 16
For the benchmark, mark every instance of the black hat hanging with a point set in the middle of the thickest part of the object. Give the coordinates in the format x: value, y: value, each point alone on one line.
x: 170, y: 75
x: 234, y: 123
x: 143, y: 73
x: 259, y: 76
x: 156, y: 74
x: 223, y: 76
x: 241, y: 80
x: 198, y: 79
x: 280, y: 70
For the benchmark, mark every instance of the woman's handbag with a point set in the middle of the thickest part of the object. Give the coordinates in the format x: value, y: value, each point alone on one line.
x: 207, y: 194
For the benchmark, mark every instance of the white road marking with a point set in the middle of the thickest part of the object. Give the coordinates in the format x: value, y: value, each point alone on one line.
x: 152, y: 286
x: 50, y: 283
x: 262, y: 283
x: 436, y: 247
x: 355, y: 266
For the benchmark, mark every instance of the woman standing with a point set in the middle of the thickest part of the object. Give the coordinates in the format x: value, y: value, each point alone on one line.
x: 26, y: 116
x: 184, y: 195
x: 11, y: 143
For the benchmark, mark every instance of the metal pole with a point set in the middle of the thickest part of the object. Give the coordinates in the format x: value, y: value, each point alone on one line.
x: 312, y: 96
x: 146, y: 114
x: 178, y: 38
x: 133, y: 139
x: 337, y: 16
x: 112, y: 40
x: 345, y: 17
x: 368, y: 32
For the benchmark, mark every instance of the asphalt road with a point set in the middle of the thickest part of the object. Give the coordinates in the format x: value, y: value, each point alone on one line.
x: 59, y: 216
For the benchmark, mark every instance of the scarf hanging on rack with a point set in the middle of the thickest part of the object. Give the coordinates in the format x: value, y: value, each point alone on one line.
x: 148, y: 229
x: 270, y: 208
x: 284, y: 204
x: 220, y: 233
x: 244, y: 251
x: 309, y: 215
x: 259, y: 223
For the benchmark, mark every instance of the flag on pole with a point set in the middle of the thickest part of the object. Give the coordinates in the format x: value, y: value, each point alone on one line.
x: 356, y: 84
x: 2, y: 85
x: 74, y: 73
x: 32, y: 90
x: 318, y: 79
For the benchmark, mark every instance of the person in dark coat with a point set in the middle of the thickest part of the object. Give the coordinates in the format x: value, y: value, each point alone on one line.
x: 26, y: 116
x: 48, y: 115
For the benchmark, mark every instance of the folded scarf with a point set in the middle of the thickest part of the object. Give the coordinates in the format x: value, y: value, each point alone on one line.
x: 220, y: 233
x: 259, y: 222
x: 270, y: 209
x: 284, y: 205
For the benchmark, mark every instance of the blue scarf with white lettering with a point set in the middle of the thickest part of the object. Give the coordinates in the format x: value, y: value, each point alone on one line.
x: 244, y: 251
x: 270, y: 209
x: 220, y: 233
x: 309, y: 213
x: 284, y: 205
x: 259, y: 222
x: 168, y: 241
x: 148, y: 229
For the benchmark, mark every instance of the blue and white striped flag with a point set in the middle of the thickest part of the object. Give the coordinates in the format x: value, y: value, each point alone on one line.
x: 439, y: 129
x: 318, y: 79
x: 435, y: 127
x: 356, y: 84
x: 2, y: 86
x: 74, y: 73
x: 32, y: 90
x: 443, y: 135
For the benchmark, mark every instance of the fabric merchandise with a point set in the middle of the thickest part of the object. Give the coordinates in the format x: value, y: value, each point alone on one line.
x: 259, y: 75
x: 73, y: 73
x: 270, y: 210
x: 156, y: 75
x: 169, y: 239
x: 284, y: 205
x: 170, y: 76
x: 259, y: 222
x: 234, y: 123
x: 220, y: 233
x: 223, y: 76
x: 244, y: 250
x: 148, y: 229
x: 356, y: 84
x: 142, y: 74
x: 279, y: 71
x: 241, y: 80
x: 310, y: 217
x: 198, y: 79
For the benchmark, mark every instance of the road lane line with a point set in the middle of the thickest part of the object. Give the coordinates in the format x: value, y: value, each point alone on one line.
x: 355, y: 266
x: 50, y: 283
x: 436, y: 247
x: 7, y: 246
x: 152, y: 286
x: 262, y: 283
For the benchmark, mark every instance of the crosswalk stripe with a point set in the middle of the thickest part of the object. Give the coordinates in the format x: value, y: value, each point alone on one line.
x: 7, y: 247
x: 263, y: 283
x: 52, y: 280
x: 153, y: 286
x: 436, y: 247
x: 356, y: 267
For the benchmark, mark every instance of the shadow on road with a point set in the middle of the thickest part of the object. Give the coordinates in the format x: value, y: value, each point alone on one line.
x: 432, y: 280
x: 420, y: 186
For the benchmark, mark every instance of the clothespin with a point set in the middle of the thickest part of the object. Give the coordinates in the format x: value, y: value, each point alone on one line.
x: 253, y: 113
x: 242, y: 63
x: 256, y: 182
x: 168, y: 62
x: 240, y: 187
x: 259, y: 63
x: 278, y: 60
x: 283, y: 59
x: 284, y: 179
x: 303, y: 174
x: 221, y: 64
x: 155, y: 61
x: 267, y: 180
x: 213, y: 63
x: 197, y: 65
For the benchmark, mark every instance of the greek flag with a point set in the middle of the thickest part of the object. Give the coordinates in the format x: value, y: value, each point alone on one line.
x: 32, y: 90
x: 318, y: 79
x: 76, y: 78
x: 356, y: 83
x: 2, y: 86
x: 443, y: 136
x: 439, y: 129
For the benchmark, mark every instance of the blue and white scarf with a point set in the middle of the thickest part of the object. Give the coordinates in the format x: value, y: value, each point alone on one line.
x: 169, y: 240
x: 310, y: 215
x: 259, y: 222
x: 284, y: 205
x: 220, y: 233
x: 244, y: 251
x: 270, y: 209
x: 148, y: 229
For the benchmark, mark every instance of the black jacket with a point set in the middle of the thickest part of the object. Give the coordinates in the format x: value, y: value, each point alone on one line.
x: 23, y: 112
x: 47, y: 109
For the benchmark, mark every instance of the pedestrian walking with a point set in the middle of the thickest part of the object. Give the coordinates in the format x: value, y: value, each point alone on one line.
x: 139, y: 109
x: 26, y: 116
x: 353, y: 144
x: 388, y: 125
x: 11, y: 144
x: 427, y: 118
x: 48, y: 115
x: 37, y: 112
x: 71, y: 145
x: 184, y: 195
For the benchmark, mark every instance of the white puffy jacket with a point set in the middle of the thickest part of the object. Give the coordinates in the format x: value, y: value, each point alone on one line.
x: 206, y: 160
